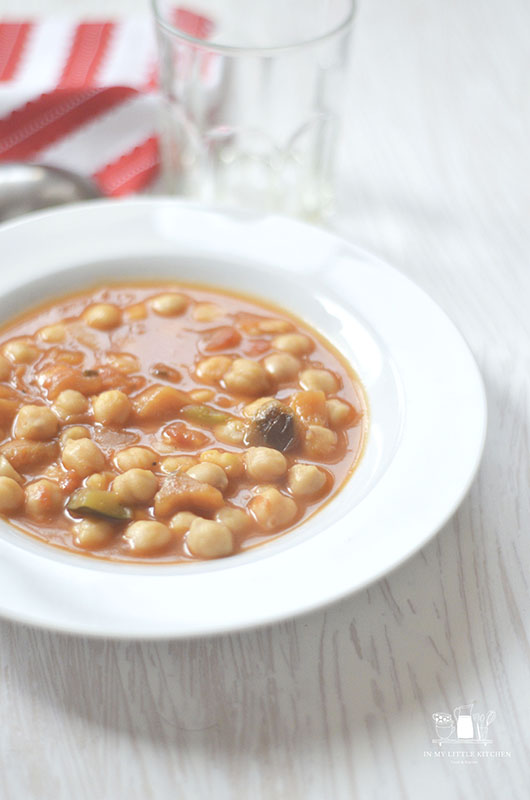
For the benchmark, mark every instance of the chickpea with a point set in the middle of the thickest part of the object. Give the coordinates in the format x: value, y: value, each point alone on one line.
x: 36, y: 422
x: 103, y: 316
x: 180, y: 523
x: 271, y: 509
x: 53, y: 334
x: 209, y: 473
x: 320, y: 380
x: 263, y: 487
x: 112, y: 407
x: 177, y: 463
x: 234, y: 518
x: 294, y: 343
x: 74, y: 432
x: 11, y: 495
x: 208, y: 539
x: 135, y: 487
x: 169, y: 304
x: 8, y: 471
x: 146, y: 535
x: 44, y: 499
x: 69, y: 357
x: 282, y: 366
x: 92, y: 533
x: 82, y: 456
x: 246, y: 377
x: 135, y: 313
x: 163, y: 446
x: 212, y: 369
x: 5, y: 369
x: 100, y: 480
x: 70, y: 403
x: 21, y: 351
x: 265, y: 463
x: 274, y: 326
x: 305, y: 480
x: 136, y: 458
x: 202, y: 395
x: 231, y: 432
x: 320, y: 442
x: 339, y: 413
x: 232, y: 463
x: 124, y: 362
x: 252, y: 408
x: 207, y: 312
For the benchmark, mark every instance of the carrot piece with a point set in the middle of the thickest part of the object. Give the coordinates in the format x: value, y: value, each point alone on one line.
x: 310, y: 407
x: 256, y: 347
x: 158, y: 402
x: 185, y: 438
x: 25, y: 455
x: 8, y: 409
x: 55, y: 379
x: 223, y: 338
x: 112, y: 378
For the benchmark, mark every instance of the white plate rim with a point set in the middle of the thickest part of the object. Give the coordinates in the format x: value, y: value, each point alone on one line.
x: 122, y: 210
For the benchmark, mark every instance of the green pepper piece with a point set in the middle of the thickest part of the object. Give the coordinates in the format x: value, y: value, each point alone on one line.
x: 99, y: 503
x: 204, y: 415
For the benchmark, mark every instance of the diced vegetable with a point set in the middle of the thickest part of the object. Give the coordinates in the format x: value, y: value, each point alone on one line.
x: 222, y: 339
x: 113, y: 378
x: 158, y: 402
x: 204, y: 415
x: 310, y: 407
x: 59, y: 377
x: 274, y: 425
x: 25, y: 455
x: 8, y: 409
x: 182, y: 493
x: 183, y: 437
x: 256, y: 348
x: 98, y: 502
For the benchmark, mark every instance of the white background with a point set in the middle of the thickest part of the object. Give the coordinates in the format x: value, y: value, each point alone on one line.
x: 434, y: 176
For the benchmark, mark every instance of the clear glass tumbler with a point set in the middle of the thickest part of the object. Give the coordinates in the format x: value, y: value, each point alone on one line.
x: 252, y: 93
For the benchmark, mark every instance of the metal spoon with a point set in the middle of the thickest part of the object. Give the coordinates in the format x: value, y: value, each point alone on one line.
x: 28, y: 187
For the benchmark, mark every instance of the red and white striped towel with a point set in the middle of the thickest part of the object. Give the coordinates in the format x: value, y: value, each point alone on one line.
x: 80, y: 96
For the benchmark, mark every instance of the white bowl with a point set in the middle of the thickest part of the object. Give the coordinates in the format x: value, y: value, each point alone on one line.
x: 427, y: 409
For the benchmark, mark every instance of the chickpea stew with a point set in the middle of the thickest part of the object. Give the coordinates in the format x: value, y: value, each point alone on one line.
x: 166, y: 423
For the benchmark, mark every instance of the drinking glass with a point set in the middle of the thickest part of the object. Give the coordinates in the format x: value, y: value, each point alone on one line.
x: 252, y: 94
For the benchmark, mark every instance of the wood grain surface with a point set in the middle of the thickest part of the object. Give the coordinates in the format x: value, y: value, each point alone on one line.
x: 434, y: 176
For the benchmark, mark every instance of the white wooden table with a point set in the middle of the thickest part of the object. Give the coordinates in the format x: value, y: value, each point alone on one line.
x: 435, y: 176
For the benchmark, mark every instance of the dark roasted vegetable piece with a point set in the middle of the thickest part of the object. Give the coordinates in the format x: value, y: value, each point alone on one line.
x: 98, y: 502
x: 274, y: 425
